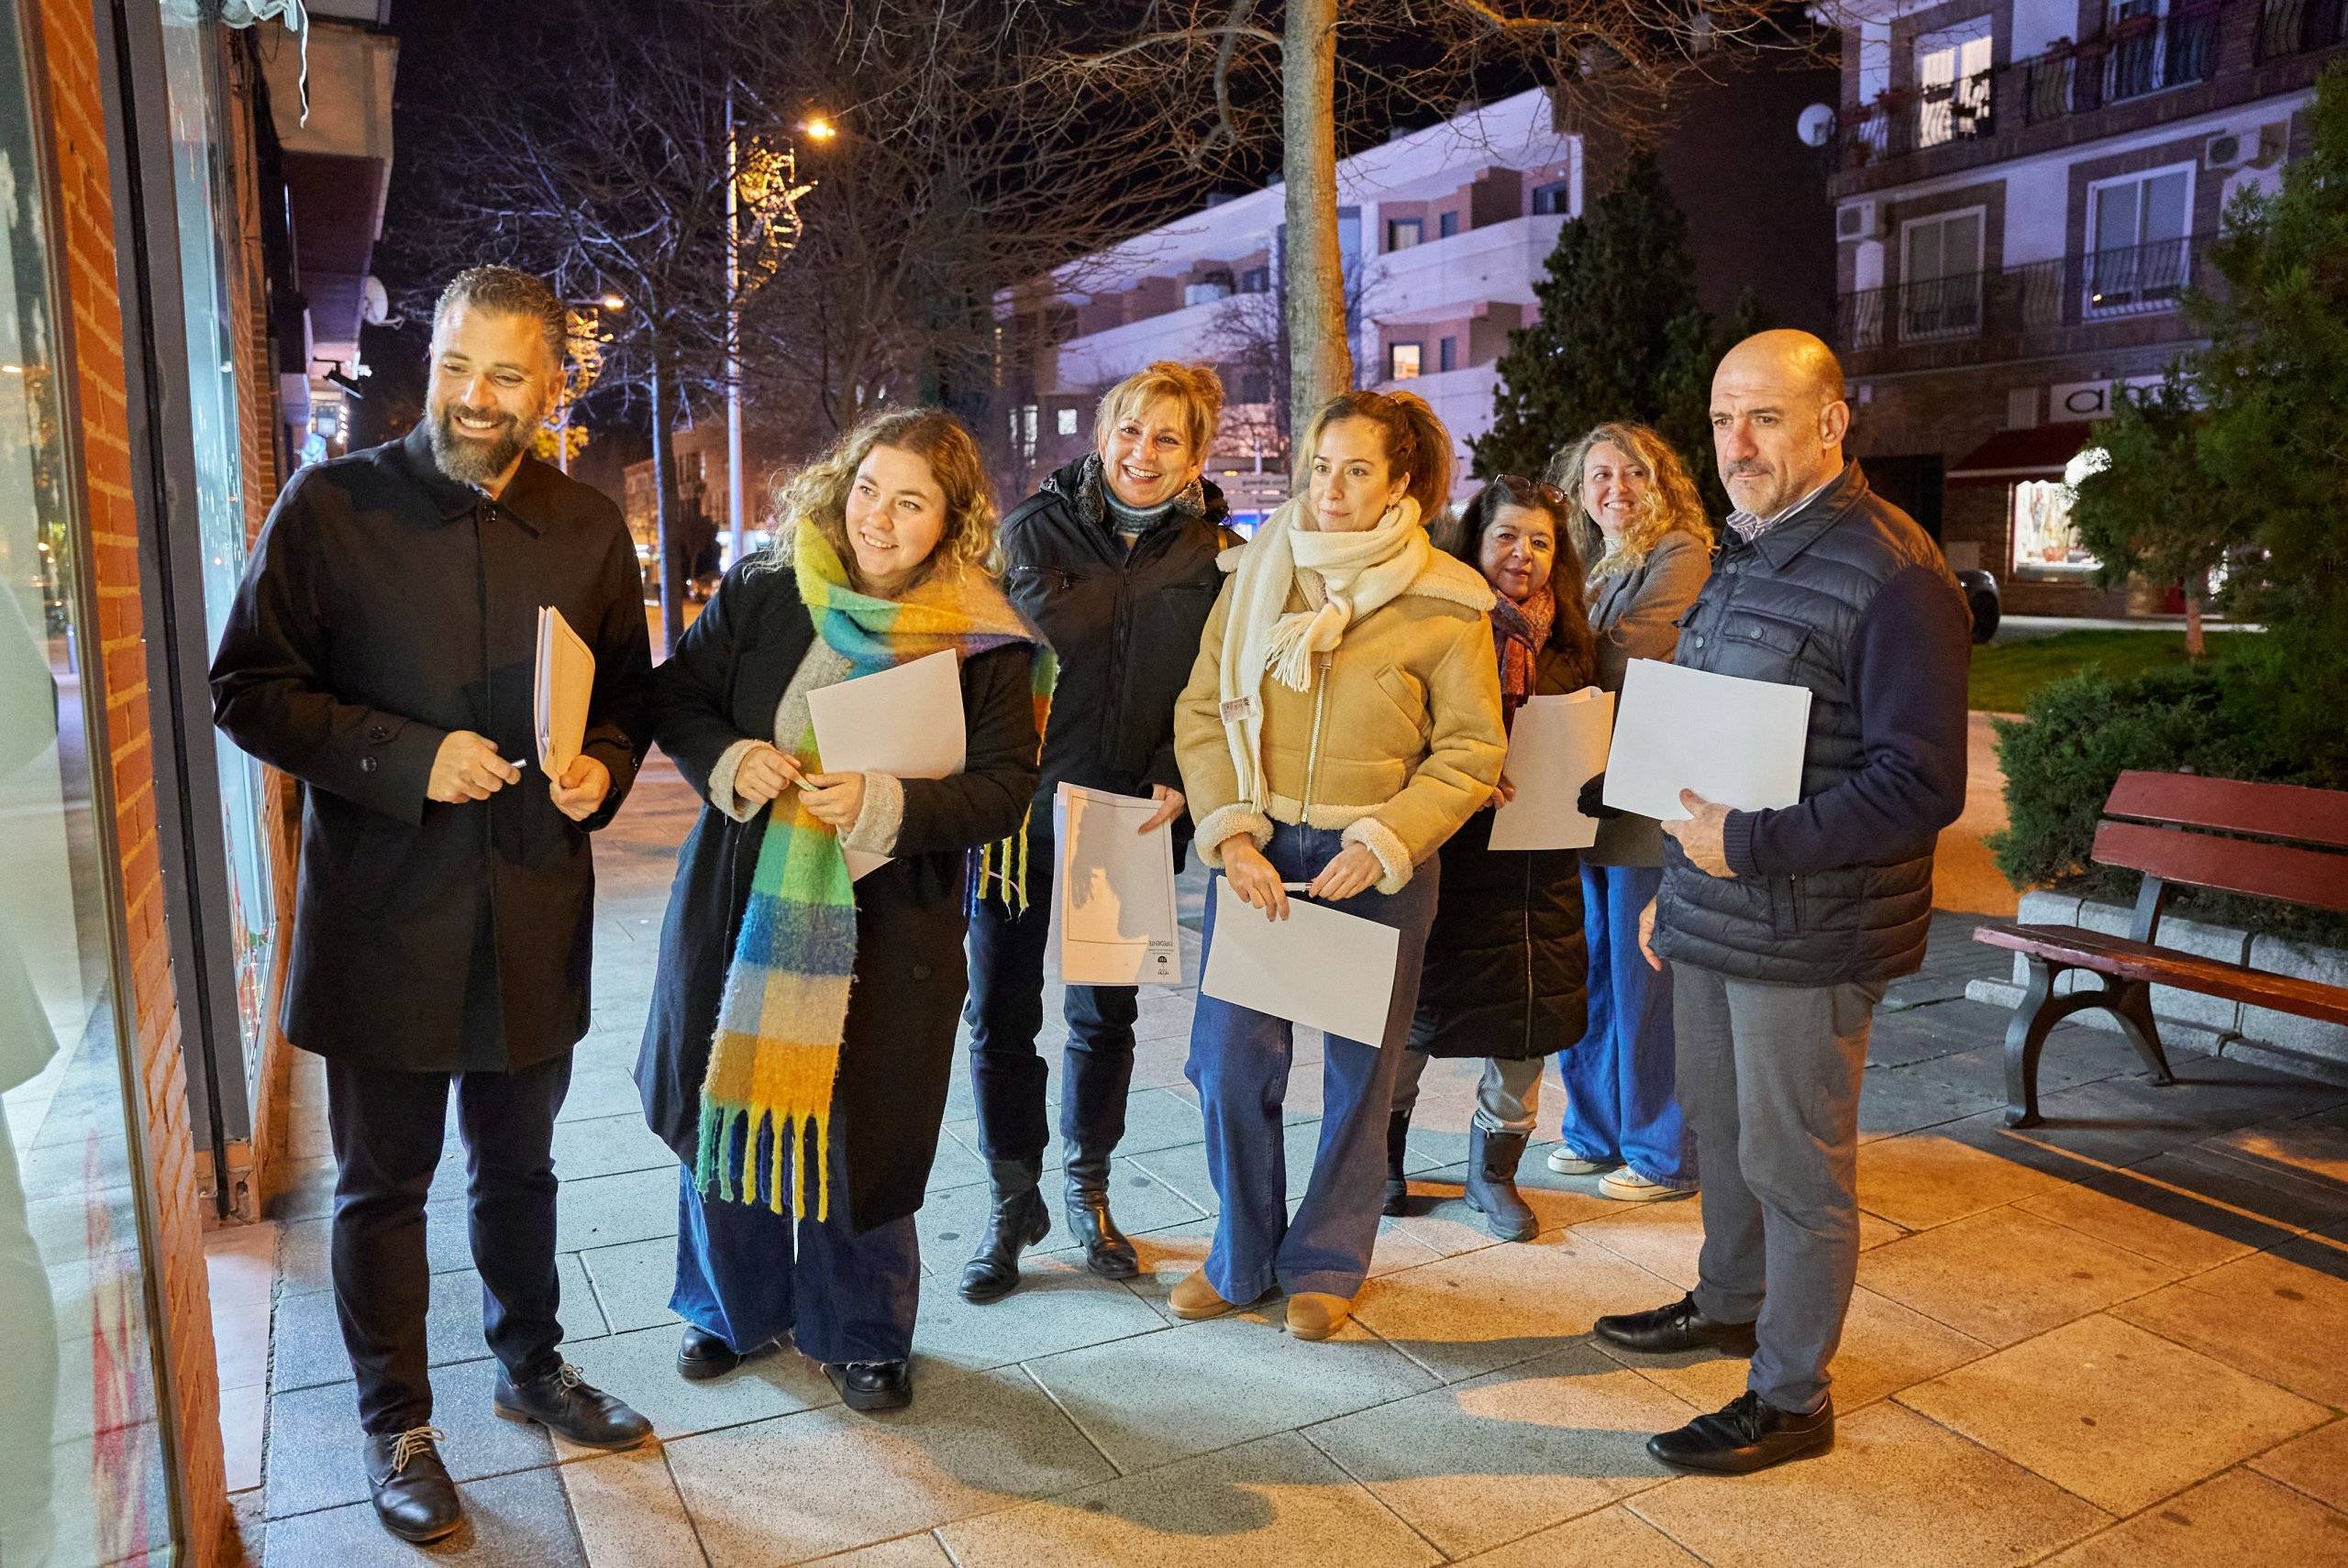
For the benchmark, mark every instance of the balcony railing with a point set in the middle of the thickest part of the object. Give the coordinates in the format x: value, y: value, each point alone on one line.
x: 2138, y: 57
x: 2098, y: 285
x: 2298, y: 27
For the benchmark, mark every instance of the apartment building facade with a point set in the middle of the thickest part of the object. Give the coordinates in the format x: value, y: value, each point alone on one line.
x: 2024, y: 190
x: 1444, y: 231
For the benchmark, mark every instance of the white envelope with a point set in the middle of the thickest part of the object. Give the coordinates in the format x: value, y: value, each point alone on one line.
x: 1113, y: 921
x: 563, y: 689
x: 1321, y: 967
x: 906, y: 721
x: 1737, y: 742
x: 1557, y: 745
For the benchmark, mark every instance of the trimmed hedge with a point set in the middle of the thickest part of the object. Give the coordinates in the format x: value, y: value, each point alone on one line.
x: 2078, y: 735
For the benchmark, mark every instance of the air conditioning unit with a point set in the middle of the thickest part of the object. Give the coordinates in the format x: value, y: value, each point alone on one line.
x: 2221, y: 152
x: 1858, y: 220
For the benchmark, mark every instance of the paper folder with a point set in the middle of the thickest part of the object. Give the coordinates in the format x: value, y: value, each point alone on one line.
x: 565, y: 686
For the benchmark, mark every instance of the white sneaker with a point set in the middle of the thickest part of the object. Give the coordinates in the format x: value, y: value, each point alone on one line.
x: 1630, y: 1187
x: 1565, y: 1162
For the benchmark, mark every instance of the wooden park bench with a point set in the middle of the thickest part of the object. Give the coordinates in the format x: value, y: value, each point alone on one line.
x: 2270, y: 841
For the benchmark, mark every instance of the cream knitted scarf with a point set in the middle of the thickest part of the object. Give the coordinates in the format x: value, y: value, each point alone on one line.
x: 1357, y: 572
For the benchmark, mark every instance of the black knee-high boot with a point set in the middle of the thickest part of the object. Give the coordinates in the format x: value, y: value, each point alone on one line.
x: 1019, y: 1219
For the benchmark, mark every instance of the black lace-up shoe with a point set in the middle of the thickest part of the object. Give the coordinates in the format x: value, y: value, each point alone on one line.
x: 1751, y: 1434
x: 1678, y: 1327
x: 702, y: 1355
x: 413, y: 1496
x: 872, y: 1384
x: 566, y: 1403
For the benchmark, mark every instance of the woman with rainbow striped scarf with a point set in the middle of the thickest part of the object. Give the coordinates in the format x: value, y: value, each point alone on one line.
x: 802, y: 1035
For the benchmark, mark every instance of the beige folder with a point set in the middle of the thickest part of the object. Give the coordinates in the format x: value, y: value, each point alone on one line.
x: 565, y: 686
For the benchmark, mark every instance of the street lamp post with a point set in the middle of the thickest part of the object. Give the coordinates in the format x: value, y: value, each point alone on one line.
x: 733, y: 336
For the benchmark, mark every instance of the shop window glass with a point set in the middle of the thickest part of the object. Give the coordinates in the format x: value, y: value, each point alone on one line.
x: 200, y: 190
x: 84, y: 1478
x: 2046, y: 544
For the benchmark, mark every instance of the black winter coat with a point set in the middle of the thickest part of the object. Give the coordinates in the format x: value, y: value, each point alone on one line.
x: 1126, y: 625
x: 897, y: 1058
x: 386, y: 605
x: 1791, y: 608
x: 1508, y: 967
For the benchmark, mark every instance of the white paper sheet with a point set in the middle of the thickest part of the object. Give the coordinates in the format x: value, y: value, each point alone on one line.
x: 1737, y: 743
x: 1113, y: 921
x: 1321, y: 967
x: 906, y: 721
x: 563, y: 688
x: 1557, y: 745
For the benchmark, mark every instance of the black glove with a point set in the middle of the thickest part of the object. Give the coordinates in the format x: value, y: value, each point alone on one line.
x: 1590, y: 805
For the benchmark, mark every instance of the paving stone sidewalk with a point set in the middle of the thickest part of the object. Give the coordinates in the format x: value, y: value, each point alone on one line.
x: 2119, y: 1339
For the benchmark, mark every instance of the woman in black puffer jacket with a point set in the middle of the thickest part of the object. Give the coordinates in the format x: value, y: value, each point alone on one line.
x: 1507, y: 967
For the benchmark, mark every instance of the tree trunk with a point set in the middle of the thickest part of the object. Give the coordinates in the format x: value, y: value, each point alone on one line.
x: 667, y: 506
x: 2194, y: 647
x: 1320, y: 362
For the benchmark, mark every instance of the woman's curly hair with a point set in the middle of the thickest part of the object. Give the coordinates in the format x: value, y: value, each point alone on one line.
x: 819, y: 490
x: 1672, y: 501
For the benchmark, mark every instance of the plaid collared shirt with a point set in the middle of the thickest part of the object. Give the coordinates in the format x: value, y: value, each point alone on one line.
x: 1749, y: 527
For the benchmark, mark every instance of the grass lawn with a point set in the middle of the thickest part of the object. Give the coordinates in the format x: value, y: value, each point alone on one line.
x: 2005, y: 675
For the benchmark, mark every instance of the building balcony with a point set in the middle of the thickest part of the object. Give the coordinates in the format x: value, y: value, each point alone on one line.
x: 2232, y: 50
x: 2094, y: 299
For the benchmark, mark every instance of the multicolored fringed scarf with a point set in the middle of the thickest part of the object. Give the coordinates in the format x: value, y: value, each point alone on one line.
x: 785, y: 1006
x: 1004, y: 864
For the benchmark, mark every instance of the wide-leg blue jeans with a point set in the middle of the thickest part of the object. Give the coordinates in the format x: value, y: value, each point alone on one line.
x: 1239, y: 1062
x: 1621, y: 1099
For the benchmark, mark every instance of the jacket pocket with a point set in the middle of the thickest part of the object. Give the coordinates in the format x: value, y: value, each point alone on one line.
x: 1408, y: 696
x: 1781, y: 637
x: 1785, y: 906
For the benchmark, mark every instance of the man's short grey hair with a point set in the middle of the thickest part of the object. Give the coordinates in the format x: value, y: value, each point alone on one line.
x: 510, y: 292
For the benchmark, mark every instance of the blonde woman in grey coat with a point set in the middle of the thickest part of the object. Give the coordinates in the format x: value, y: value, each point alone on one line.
x: 1641, y: 525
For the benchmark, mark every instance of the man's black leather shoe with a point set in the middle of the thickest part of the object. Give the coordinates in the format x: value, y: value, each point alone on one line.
x: 413, y: 1495
x: 566, y: 1403
x: 1108, y: 1252
x: 1751, y: 1434
x: 1678, y: 1327
x: 702, y: 1355
x: 872, y: 1384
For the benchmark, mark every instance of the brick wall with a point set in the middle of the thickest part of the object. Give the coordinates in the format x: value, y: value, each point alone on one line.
x: 69, y: 45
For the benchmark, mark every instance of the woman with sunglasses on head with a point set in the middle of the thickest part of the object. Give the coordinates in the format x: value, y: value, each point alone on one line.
x: 1639, y: 523
x: 1343, y: 720
x: 1505, y: 960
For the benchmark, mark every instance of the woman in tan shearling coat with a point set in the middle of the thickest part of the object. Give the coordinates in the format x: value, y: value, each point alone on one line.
x: 1343, y: 720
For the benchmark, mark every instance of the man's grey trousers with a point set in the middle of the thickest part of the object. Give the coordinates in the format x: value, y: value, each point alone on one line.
x: 1769, y: 1081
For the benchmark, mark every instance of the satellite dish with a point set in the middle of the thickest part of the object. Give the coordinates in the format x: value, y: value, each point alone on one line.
x: 374, y: 303
x: 1815, y: 124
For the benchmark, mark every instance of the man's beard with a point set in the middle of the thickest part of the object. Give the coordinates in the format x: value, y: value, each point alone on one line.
x: 470, y: 460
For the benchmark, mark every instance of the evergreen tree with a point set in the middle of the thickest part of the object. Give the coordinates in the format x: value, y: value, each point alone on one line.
x: 2275, y: 383
x: 1620, y: 335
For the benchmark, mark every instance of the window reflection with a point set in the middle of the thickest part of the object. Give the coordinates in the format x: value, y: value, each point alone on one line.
x: 81, y: 1474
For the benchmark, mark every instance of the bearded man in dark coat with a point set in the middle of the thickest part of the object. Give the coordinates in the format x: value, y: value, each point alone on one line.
x: 382, y: 650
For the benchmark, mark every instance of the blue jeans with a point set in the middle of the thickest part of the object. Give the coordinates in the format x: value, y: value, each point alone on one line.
x: 744, y: 1276
x: 1621, y: 1099
x: 1239, y: 1062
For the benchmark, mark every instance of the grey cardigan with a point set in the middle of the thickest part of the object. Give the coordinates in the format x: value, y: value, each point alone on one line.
x: 1635, y: 614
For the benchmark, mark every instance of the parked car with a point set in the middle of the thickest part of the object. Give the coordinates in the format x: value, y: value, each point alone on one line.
x: 1981, y: 593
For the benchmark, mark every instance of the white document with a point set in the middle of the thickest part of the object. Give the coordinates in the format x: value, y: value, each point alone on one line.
x: 1737, y: 742
x: 1113, y: 892
x: 906, y: 721
x: 564, y: 687
x: 1319, y: 966
x: 1557, y: 745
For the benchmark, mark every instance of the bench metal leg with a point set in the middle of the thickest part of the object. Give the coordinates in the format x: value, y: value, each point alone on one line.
x: 2131, y: 1003
x: 2034, y: 1017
